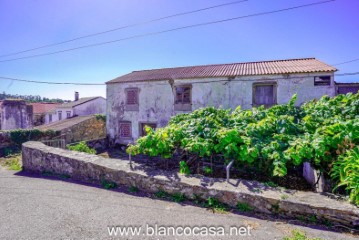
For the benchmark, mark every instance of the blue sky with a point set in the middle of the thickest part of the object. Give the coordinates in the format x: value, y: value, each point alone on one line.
x: 329, y: 32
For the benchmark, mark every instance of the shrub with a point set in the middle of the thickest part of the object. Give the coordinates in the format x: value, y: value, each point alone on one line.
x: 82, y: 147
x: 268, y: 140
x: 346, y: 173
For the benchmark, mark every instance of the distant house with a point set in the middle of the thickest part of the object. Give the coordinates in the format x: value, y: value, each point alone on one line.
x: 40, y: 110
x: 79, y: 107
x: 151, y: 97
x: 344, y: 88
x: 15, y: 114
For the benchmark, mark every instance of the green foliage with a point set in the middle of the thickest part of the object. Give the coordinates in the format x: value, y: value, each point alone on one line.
x: 207, y: 170
x: 178, y: 197
x: 20, y: 136
x: 216, y: 205
x: 161, y: 194
x: 184, y: 169
x: 270, y: 184
x: 30, y: 98
x: 108, y: 184
x: 269, y: 140
x: 13, y: 162
x: 299, y: 235
x: 101, y: 117
x: 7, y: 152
x: 345, y: 172
x: 82, y: 147
x: 244, y: 207
x: 133, y: 189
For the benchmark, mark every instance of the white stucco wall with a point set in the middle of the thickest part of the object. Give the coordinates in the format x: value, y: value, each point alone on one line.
x: 156, y: 99
x: 96, y: 106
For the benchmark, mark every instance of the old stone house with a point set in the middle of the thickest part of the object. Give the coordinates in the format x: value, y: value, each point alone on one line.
x: 80, y: 107
x: 15, y: 114
x: 151, y: 97
x: 40, y: 110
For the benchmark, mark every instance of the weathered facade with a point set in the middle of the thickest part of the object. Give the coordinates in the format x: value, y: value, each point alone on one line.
x: 344, y: 88
x: 79, y: 107
x: 40, y: 110
x: 151, y: 97
x: 15, y: 114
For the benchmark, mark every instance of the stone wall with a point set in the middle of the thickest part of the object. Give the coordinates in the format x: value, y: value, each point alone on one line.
x: 9, y: 145
x: 91, y: 168
x: 15, y: 114
x: 89, y: 129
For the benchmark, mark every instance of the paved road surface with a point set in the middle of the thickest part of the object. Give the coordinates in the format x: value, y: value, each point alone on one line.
x: 41, y: 208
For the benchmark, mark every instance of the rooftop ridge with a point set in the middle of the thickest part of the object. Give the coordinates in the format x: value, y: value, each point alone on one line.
x: 226, y: 64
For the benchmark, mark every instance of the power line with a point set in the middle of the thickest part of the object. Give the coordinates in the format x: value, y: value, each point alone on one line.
x: 58, y: 83
x: 170, y: 30
x: 222, y: 80
x: 350, y: 61
x: 127, y: 26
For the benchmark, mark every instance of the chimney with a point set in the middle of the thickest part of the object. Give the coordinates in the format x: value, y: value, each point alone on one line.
x: 77, y: 96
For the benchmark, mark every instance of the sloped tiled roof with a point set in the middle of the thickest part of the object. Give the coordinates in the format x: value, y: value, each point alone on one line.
x: 39, y: 108
x: 78, y: 102
x: 63, y: 124
x: 290, y: 66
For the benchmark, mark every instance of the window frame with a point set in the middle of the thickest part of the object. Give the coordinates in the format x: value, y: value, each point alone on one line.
x: 142, y: 124
x: 132, y: 107
x: 68, y: 114
x: 182, y: 106
x: 258, y: 84
x: 321, y: 82
x: 50, y: 117
x: 59, y: 115
x: 119, y: 130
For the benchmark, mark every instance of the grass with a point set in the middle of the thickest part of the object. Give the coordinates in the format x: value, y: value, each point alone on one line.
x: 270, y: 184
x: 12, y: 162
x: 299, y: 235
x: 178, y: 197
x: 284, y: 196
x: 216, y: 205
x: 244, y: 207
x: 133, y: 189
x: 107, y: 184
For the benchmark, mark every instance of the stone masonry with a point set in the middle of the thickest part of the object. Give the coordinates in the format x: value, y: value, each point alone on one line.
x: 91, y: 168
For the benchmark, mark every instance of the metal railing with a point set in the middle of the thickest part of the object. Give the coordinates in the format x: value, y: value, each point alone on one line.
x: 57, y: 143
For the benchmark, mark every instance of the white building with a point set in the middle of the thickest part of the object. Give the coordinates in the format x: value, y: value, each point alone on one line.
x: 79, y: 107
x: 151, y: 97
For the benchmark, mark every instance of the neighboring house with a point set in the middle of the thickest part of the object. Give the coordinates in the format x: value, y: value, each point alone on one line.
x: 344, y: 88
x: 151, y: 97
x: 79, y: 107
x: 15, y: 114
x: 40, y: 110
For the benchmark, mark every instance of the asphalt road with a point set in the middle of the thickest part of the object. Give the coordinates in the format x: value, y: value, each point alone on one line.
x: 32, y: 207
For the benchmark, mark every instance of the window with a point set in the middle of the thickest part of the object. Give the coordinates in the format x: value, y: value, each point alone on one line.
x: 125, y: 130
x: 264, y: 94
x: 131, y: 99
x: 60, y: 115
x: 68, y: 114
x: 50, y: 117
x: 322, y: 80
x: 183, y: 98
x: 143, y: 125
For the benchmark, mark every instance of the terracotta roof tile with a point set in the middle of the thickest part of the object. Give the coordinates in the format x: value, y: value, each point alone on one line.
x: 290, y: 66
x: 43, y: 107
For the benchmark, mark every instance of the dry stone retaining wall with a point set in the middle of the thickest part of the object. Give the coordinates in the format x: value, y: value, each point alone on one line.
x: 91, y: 168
